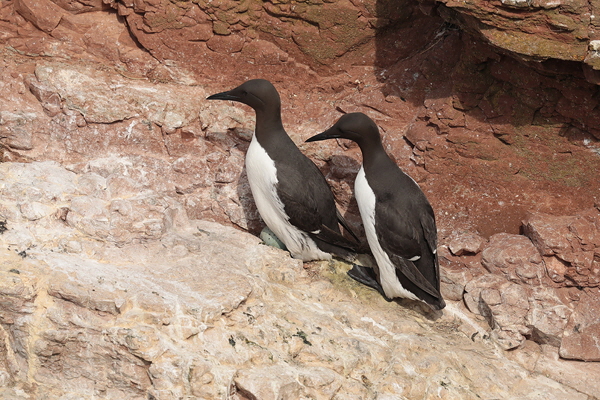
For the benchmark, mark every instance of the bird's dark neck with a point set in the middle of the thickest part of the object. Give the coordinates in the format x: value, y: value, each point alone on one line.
x: 268, y: 121
x: 374, y: 155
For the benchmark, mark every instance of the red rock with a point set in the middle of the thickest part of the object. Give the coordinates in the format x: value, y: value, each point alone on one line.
x: 548, y: 316
x: 81, y: 6
x: 74, y: 38
x: 420, y: 131
x: 581, y: 339
x: 262, y: 52
x: 102, y: 39
x: 526, y: 34
x: 226, y: 44
x: 196, y: 33
x: 42, y: 13
x: 473, y: 290
x: 515, y: 257
x: 77, y: 23
x: 556, y: 269
x: 460, y: 243
x: 574, y: 241
x: 49, y: 99
x: 456, y: 273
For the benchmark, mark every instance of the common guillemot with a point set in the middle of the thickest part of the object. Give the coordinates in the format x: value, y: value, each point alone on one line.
x: 290, y: 192
x: 398, y: 219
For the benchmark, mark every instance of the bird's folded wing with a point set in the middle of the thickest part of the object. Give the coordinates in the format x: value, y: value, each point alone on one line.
x: 408, y: 269
x: 399, y: 238
x: 344, y: 223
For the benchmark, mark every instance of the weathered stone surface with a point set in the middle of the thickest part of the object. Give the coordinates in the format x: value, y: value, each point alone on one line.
x: 461, y: 243
x: 81, y: 6
x: 455, y: 131
x: 566, y: 33
x: 515, y: 257
x: 487, y: 137
x: 317, y: 33
x: 517, y: 312
x: 570, y: 244
x: 42, y: 13
x: 582, y: 333
x: 453, y: 280
x: 503, y: 304
x: 205, y: 310
x: 278, y: 383
x: 85, y: 90
x: 581, y: 375
x: 456, y: 273
x: 548, y: 316
x: 17, y: 113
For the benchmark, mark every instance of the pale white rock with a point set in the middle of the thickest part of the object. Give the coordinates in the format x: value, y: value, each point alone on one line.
x: 271, y: 383
x: 548, y: 4
x: 108, y: 166
x: 40, y: 181
x: 201, y: 310
x: 35, y: 210
x: 517, y: 3
x: 503, y: 304
x: 85, y: 89
x: 548, y: 316
x: 581, y: 376
x: 594, y: 47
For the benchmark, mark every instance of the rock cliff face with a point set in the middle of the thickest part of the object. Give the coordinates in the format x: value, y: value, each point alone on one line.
x: 116, y: 285
x: 535, y: 30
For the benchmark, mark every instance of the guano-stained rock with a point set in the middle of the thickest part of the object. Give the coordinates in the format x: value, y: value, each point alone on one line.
x: 582, y: 332
x: 85, y: 90
x: 205, y: 310
x: 117, y: 167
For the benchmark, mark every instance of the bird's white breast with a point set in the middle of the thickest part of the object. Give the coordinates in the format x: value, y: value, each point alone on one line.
x: 365, y: 197
x: 262, y: 176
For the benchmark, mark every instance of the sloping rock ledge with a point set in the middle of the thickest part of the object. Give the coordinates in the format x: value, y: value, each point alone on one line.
x: 194, y: 309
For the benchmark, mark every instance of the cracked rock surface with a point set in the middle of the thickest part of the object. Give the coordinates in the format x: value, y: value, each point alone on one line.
x: 130, y: 263
x: 201, y: 310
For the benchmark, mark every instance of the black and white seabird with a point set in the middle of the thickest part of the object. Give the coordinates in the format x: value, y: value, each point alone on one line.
x: 290, y: 192
x: 398, y: 219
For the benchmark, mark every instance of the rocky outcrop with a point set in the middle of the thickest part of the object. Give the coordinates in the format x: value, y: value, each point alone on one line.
x: 112, y: 164
x: 196, y: 309
x: 534, y: 30
x: 519, y: 293
x: 463, y: 118
x: 570, y: 246
x: 515, y: 258
x: 580, y: 340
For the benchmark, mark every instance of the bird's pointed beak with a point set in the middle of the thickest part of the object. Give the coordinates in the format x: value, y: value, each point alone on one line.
x: 328, y: 134
x: 223, y: 96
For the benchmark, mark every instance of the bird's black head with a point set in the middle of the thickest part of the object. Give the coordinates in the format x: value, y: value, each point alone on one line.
x: 354, y: 126
x: 259, y: 94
